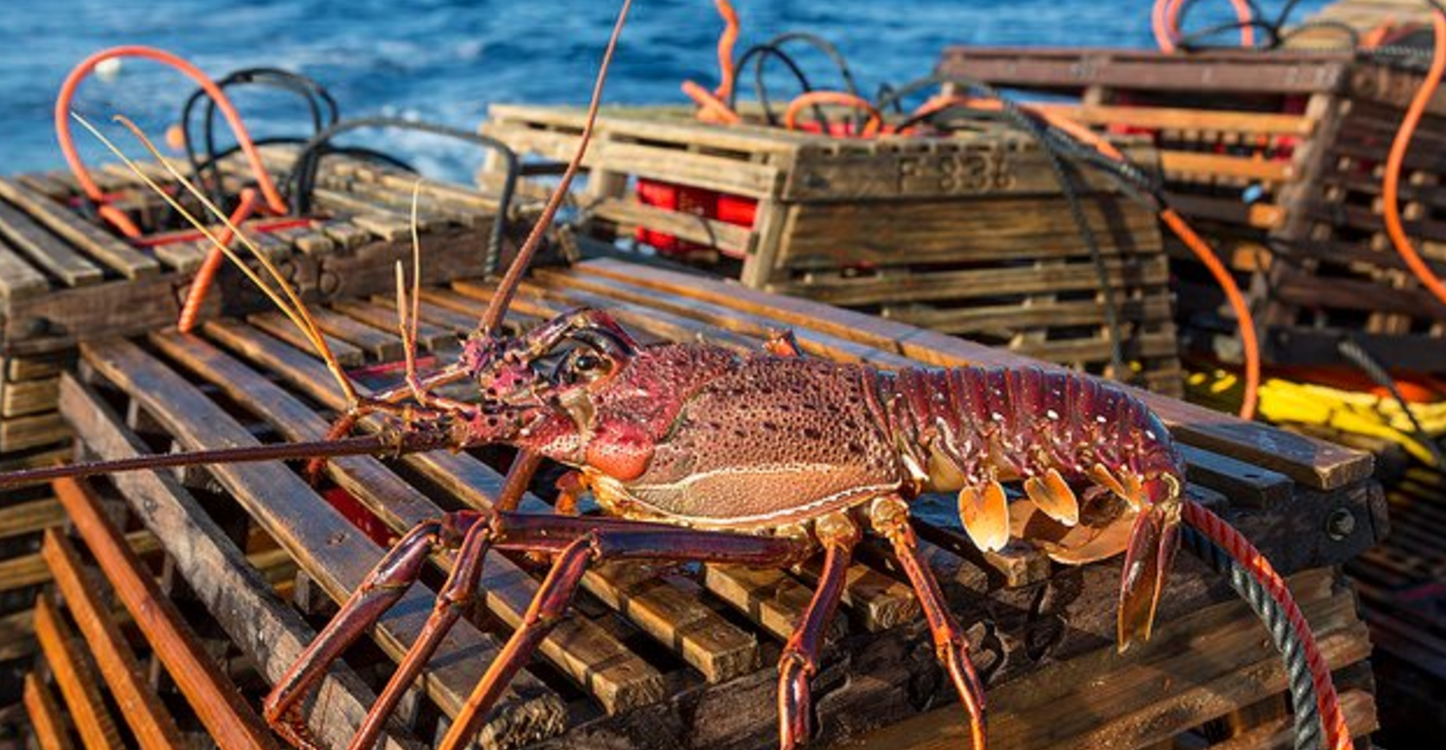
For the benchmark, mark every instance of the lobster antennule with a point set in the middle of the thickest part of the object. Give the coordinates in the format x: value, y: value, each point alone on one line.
x: 1154, y: 539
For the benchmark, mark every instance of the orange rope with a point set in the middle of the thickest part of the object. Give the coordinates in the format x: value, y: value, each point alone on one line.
x: 1165, y: 22
x: 1338, y: 735
x: 713, y: 106
x: 1244, y: 320
x: 1390, y: 185
x: 196, y: 295
x: 871, y: 128
x: 725, y: 49
x: 116, y: 217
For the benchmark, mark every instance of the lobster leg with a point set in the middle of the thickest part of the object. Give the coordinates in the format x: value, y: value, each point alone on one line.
x: 890, y: 517
x: 799, y: 661
x: 591, y: 541
x: 452, y: 601
x: 382, y: 587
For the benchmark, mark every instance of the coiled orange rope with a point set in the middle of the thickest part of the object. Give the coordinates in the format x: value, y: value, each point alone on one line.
x: 1165, y: 22
x: 191, y: 307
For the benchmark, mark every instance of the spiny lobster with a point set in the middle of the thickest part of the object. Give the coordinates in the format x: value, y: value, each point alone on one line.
x: 698, y: 453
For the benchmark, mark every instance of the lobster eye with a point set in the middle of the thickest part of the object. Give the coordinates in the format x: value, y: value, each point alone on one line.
x: 584, y: 366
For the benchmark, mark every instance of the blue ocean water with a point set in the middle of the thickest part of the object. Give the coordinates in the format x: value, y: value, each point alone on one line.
x: 445, y: 61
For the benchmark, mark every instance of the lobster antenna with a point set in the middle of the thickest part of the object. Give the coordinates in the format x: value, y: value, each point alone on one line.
x: 295, y: 311
x: 407, y: 321
x: 497, y: 306
x: 411, y: 442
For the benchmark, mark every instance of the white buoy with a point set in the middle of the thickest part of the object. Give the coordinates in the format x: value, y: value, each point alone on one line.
x: 108, y: 69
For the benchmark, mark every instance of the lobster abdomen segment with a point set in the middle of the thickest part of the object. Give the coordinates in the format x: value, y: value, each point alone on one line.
x: 971, y: 428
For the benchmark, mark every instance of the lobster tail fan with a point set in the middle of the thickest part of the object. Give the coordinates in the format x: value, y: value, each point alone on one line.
x: 1154, y: 539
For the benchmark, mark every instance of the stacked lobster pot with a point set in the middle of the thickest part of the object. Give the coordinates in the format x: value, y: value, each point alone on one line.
x: 967, y: 233
x: 1281, y: 157
x: 66, y: 277
x: 1278, y: 159
x: 662, y: 655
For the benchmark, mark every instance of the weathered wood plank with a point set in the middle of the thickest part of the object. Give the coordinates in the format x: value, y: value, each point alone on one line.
x: 218, y: 574
x: 384, y: 318
x: 74, y: 674
x: 140, y: 706
x: 18, y: 279
x: 130, y: 262
x: 331, y: 551
x: 226, y: 715
x: 45, y: 717
x: 45, y: 249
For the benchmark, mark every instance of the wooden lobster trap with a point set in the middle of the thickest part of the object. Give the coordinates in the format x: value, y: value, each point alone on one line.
x: 1278, y: 159
x: 969, y: 234
x: 65, y: 278
x: 682, y: 656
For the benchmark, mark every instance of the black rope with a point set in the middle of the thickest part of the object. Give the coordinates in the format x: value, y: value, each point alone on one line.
x: 762, y: 52
x: 1309, y: 733
x: 312, y: 93
x: 1352, y: 350
x: 307, y: 162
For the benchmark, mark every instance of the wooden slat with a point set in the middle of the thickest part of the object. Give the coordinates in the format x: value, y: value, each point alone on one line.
x: 78, y: 683
x: 1253, y: 123
x: 217, y: 572
x: 379, y: 344
x: 45, y: 249
x: 216, y: 701
x: 28, y: 397
x: 45, y: 717
x: 1193, y: 163
x: 30, y: 570
x: 130, y: 262
x: 1312, y: 462
x: 327, y: 547
x: 18, y: 280
x: 729, y: 238
x: 21, y: 433
x: 140, y: 706
x: 29, y: 517
x: 896, y: 288
x: 384, y: 318
x: 279, y: 326
x: 619, y: 678
x: 1195, y: 669
x: 455, y: 323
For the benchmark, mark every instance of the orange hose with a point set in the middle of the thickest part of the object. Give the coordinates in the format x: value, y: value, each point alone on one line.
x: 710, y: 107
x: 1390, y: 185
x: 274, y: 200
x: 196, y: 295
x: 876, y: 118
x: 725, y: 49
x: 1244, y: 320
x: 1165, y: 22
x: 1338, y: 734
